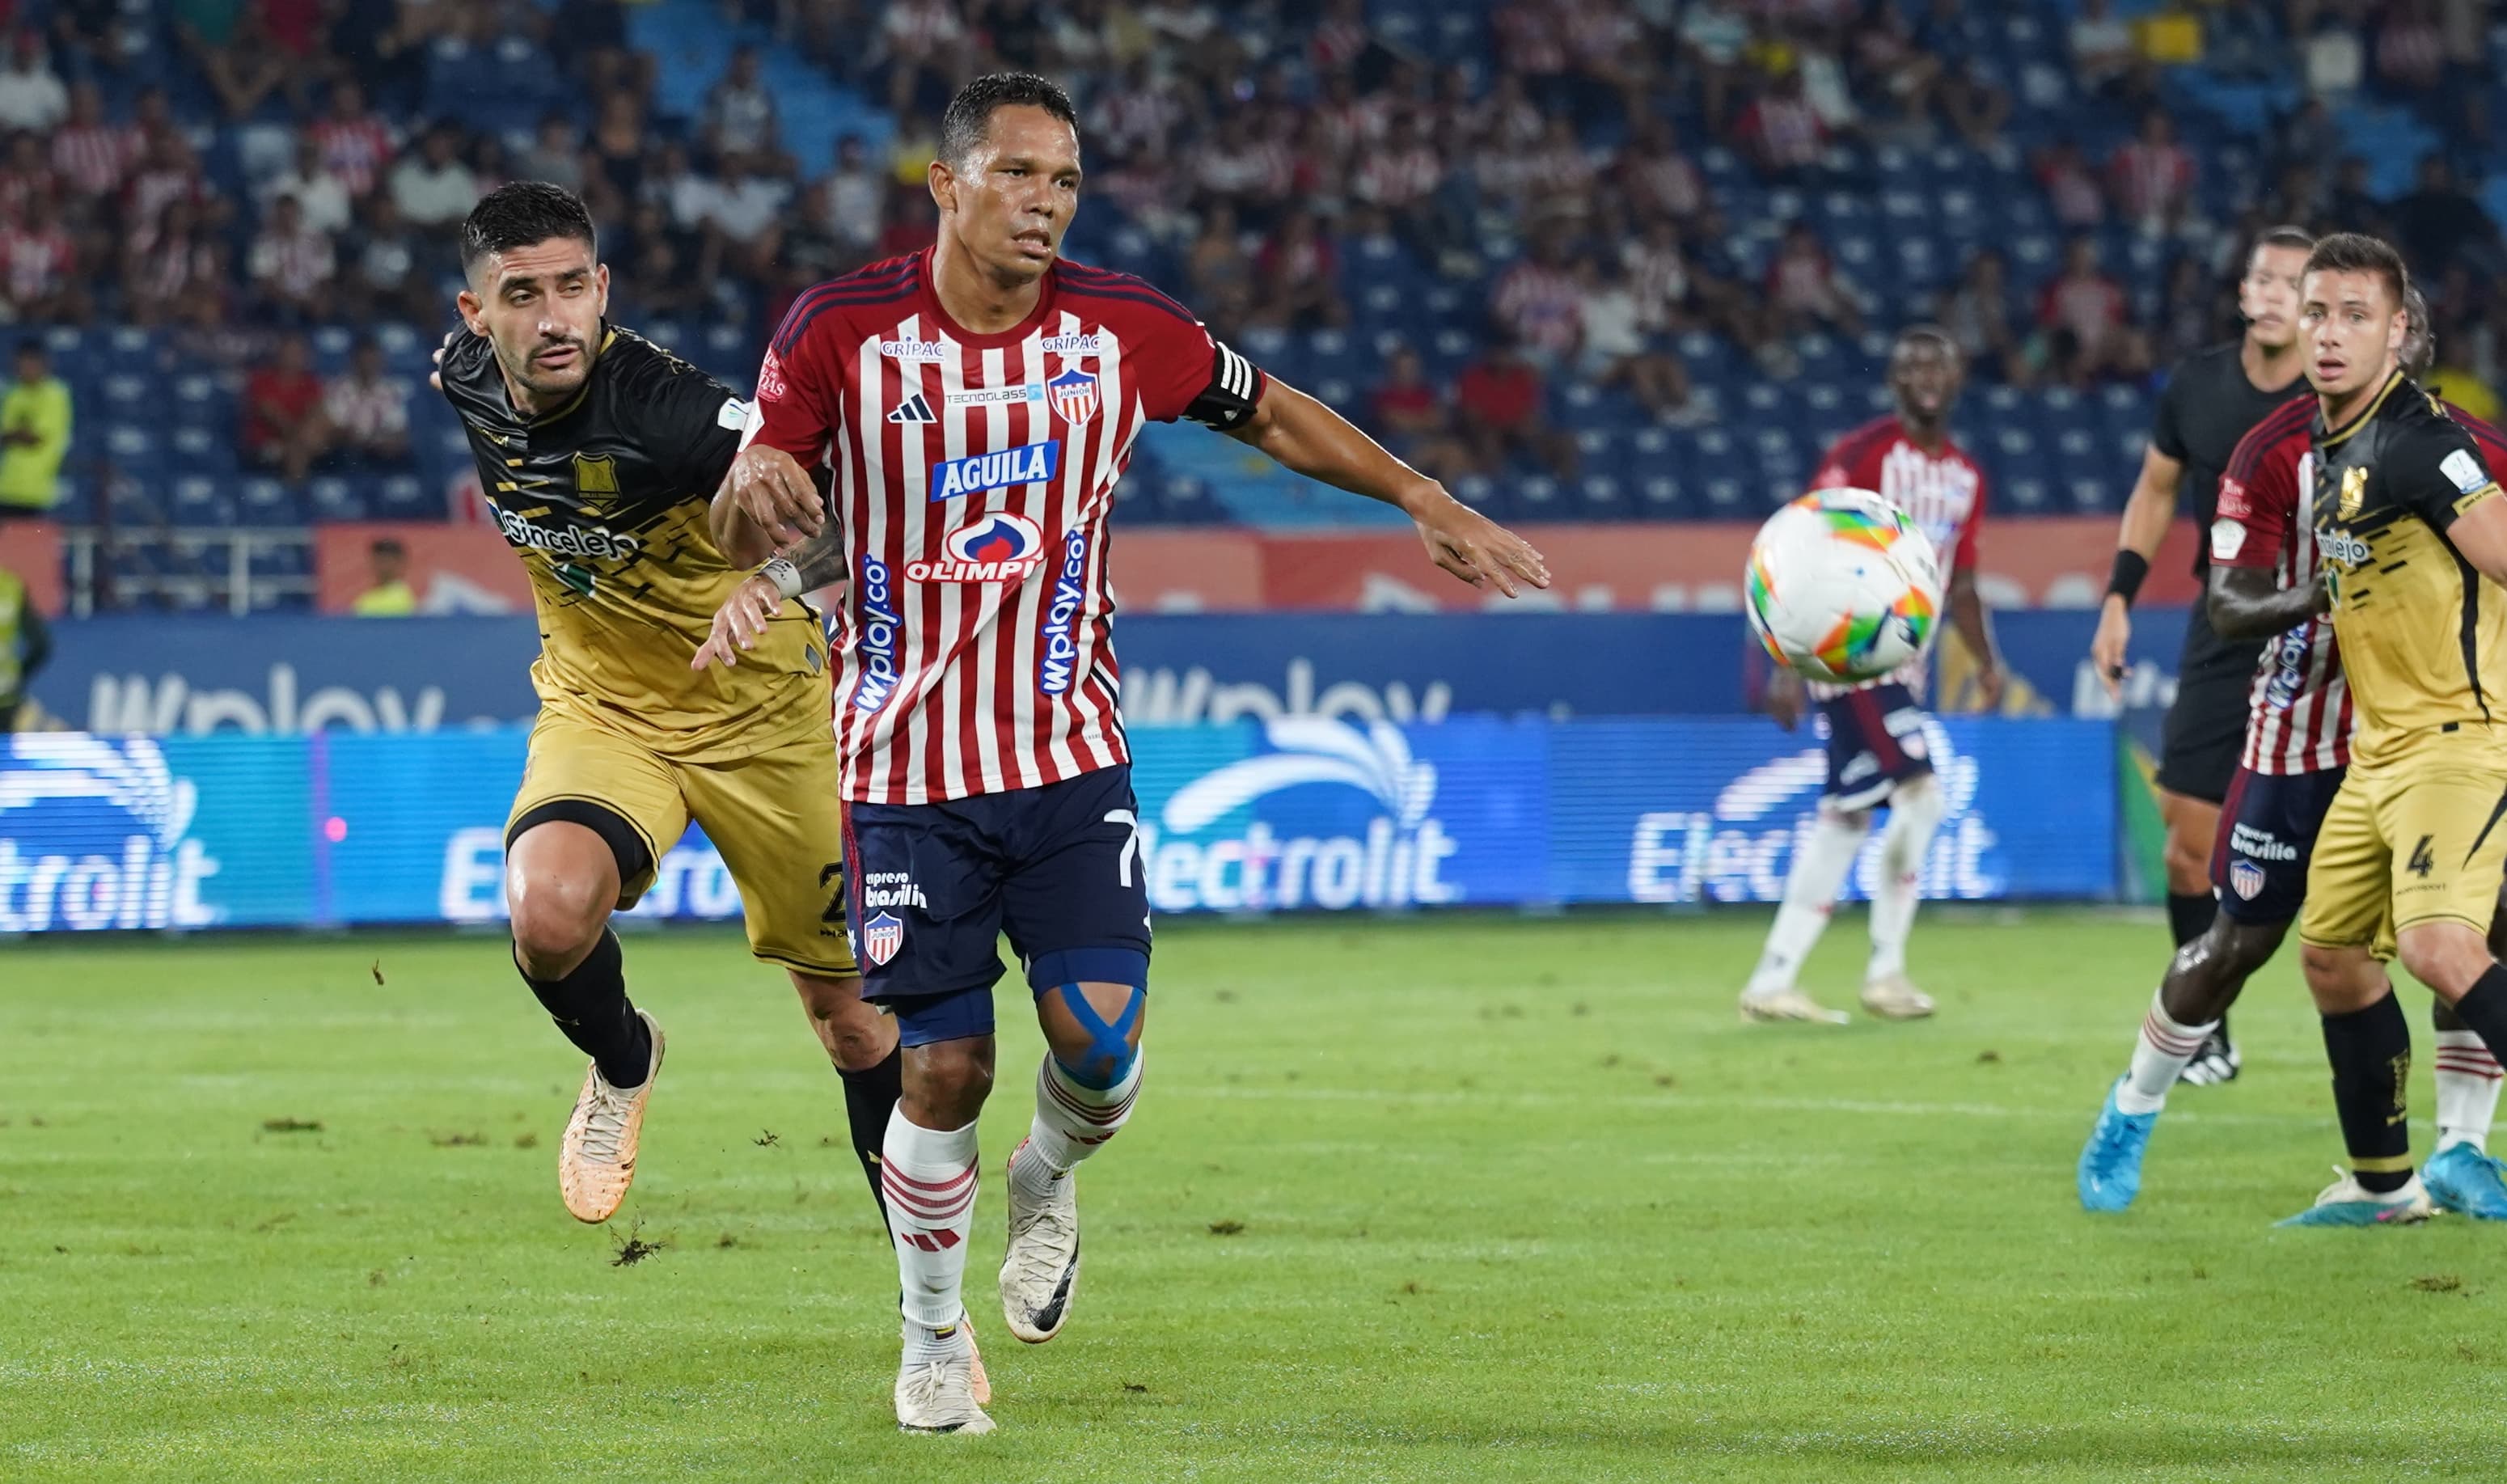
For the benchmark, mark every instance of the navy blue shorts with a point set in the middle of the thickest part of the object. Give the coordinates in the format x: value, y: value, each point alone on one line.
x: 1875, y: 742
x: 934, y: 887
x: 2268, y: 825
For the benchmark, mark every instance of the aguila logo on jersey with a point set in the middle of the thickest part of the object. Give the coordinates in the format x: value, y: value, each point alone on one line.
x: 1029, y: 463
x: 998, y: 547
x: 1075, y: 395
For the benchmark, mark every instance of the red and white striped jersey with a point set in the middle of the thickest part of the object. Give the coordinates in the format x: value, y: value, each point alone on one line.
x: 1942, y: 491
x: 973, y: 478
x: 2298, y: 715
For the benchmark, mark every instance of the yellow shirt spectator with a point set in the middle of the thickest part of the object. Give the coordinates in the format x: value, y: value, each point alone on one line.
x: 393, y: 600
x: 34, y: 433
x: 2460, y: 386
x: 390, y: 594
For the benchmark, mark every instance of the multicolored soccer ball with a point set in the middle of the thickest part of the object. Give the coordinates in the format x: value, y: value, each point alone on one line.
x: 1842, y: 587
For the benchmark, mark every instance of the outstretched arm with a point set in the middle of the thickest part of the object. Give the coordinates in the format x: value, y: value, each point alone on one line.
x: 1302, y: 434
x: 759, y: 515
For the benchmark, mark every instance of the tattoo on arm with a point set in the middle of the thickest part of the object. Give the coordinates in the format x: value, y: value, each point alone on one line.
x: 822, y: 557
x: 2244, y: 602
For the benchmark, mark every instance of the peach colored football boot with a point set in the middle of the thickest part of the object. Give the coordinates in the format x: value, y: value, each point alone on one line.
x: 597, y: 1161
x: 978, y: 1384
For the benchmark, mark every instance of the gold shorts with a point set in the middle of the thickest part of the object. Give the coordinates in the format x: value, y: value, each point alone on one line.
x: 774, y: 817
x: 2414, y: 842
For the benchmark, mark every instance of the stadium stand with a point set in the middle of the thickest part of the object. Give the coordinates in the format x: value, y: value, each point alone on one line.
x: 1691, y: 224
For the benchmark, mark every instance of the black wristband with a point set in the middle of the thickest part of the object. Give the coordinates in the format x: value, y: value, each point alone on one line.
x: 2131, y: 568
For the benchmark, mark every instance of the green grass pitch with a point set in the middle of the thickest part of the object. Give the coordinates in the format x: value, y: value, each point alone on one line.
x: 1453, y: 1198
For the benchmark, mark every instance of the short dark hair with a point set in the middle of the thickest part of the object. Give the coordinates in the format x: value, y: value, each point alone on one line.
x: 969, y: 115
x: 387, y: 546
x: 27, y: 348
x: 2356, y: 252
x: 522, y: 213
x: 2283, y: 235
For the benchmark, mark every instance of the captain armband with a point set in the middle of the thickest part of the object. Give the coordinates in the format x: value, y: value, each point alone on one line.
x: 785, y: 576
x: 1234, y: 391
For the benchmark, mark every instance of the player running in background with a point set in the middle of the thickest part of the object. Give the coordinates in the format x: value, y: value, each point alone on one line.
x: 1876, y: 739
x: 2407, y: 523
x: 975, y: 404
x: 599, y: 452
x: 2212, y: 398
x: 2265, y: 580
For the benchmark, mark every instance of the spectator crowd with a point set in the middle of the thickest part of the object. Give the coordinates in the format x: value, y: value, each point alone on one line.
x: 1569, y: 171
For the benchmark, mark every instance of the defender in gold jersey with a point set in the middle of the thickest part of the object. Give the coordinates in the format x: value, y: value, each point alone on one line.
x: 601, y: 452
x: 2413, y: 535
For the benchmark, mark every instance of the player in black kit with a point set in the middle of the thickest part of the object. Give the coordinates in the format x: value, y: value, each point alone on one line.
x: 2212, y: 398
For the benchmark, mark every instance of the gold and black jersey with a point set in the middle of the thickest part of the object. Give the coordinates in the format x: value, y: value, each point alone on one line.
x: 2423, y: 640
x: 604, y: 499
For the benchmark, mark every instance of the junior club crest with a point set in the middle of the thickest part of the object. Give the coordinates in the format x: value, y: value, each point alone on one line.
x: 2246, y: 879
x: 882, y: 936
x: 1075, y: 395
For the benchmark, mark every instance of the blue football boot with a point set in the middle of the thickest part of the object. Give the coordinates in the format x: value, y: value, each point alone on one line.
x: 2460, y: 1177
x: 2348, y: 1203
x: 2110, y: 1171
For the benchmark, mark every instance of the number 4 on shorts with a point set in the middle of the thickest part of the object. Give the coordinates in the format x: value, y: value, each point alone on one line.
x: 2421, y: 862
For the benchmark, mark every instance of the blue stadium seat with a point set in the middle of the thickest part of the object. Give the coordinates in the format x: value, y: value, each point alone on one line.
x: 198, y: 501
x: 1662, y: 498
x: 278, y: 558
x: 2028, y: 495
x: 199, y: 449
x: 135, y: 450
x: 268, y: 502
x: 1538, y: 497
x: 404, y: 497
x: 336, y: 499
x: 1602, y: 497
x: 1482, y: 493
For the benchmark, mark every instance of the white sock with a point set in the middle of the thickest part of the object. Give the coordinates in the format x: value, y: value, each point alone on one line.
x: 2467, y: 1090
x: 1810, y: 896
x: 1071, y: 1123
x: 2158, y: 1057
x: 929, y: 1177
x: 1915, y: 812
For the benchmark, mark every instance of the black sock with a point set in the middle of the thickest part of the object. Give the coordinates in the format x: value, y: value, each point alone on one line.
x: 2482, y: 1009
x: 870, y: 1097
x: 2189, y: 915
x: 591, y: 1006
x: 2370, y: 1052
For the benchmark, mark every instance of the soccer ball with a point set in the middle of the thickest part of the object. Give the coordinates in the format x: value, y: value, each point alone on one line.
x: 1842, y: 587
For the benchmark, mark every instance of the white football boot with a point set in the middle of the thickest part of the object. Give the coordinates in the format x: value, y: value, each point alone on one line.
x: 1893, y: 997
x: 1782, y: 1005
x: 1040, y: 1269
x: 939, y: 1397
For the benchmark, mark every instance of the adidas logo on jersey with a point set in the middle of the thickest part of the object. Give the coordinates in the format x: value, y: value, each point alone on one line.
x: 912, y: 410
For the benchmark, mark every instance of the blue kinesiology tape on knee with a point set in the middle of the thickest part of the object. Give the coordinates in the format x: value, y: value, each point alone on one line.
x: 1109, y: 1045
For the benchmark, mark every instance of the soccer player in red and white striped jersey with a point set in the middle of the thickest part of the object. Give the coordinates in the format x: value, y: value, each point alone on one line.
x: 2266, y: 582
x: 971, y: 406
x: 1874, y: 731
